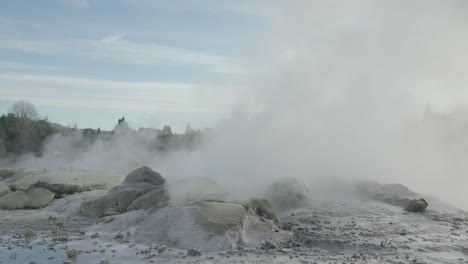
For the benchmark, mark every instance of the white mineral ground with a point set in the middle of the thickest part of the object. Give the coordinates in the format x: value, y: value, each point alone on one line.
x: 344, y: 228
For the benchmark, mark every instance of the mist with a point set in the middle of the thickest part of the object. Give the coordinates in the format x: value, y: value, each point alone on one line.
x: 343, y: 93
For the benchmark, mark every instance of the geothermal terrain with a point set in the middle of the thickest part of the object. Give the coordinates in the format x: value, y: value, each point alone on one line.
x: 75, y: 216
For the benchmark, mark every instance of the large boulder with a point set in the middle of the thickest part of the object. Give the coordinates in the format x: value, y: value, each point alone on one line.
x: 14, y: 200
x: 288, y: 193
x: 142, y: 188
x: 39, y: 197
x: 219, y: 216
x: 145, y: 175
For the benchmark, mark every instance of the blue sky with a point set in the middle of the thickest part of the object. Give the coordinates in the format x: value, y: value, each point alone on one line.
x: 155, y: 62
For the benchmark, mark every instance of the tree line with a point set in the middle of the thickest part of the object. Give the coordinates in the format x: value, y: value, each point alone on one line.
x: 23, y: 131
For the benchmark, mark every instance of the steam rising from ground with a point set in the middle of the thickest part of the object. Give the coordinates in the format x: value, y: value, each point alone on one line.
x: 343, y: 96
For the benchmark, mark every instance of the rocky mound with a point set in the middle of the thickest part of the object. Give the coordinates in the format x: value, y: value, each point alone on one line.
x: 288, y: 193
x: 142, y: 188
x: 394, y: 194
x: 32, y: 188
x: 23, y: 179
x: 35, y: 197
x: 209, y: 225
x: 140, y: 209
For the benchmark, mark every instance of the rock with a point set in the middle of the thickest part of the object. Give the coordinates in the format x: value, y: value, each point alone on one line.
x: 219, y: 216
x: 394, y: 194
x: 4, y: 189
x: 193, y: 253
x: 161, y: 248
x: 209, y: 225
x: 59, y: 189
x: 416, y: 205
x: 156, y: 198
x: 288, y: 193
x: 7, y: 172
x: 105, y: 261
x: 60, y: 180
x: 28, y: 233
x: 71, y: 253
x: 39, y: 197
x: 97, y: 208
x: 267, y: 245
x: 14, y: 200
x: 261, y: 207
x: 141, y: 189
x: 145, y: 175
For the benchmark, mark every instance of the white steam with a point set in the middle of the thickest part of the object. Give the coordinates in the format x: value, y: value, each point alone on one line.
x: 342, y: 95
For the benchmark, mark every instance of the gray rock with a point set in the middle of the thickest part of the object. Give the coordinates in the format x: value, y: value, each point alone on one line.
x: 209, y: 225
x: 71, y: 253
x: 60, y: 189
x: 145, y: 175
x: 14, y: 200
x: 394, y: 194
x: 288, y: 193
x: 416, y: 206
x: 39, y: 197
x: 141, y: 189
x: 156, y: 198
x: 97, y: 208
x: 7, y: 172
x: 193, y: 253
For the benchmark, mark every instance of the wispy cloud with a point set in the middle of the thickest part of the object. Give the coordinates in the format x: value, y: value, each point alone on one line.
x: 116, y: 48
x: 113, y: 38
x: 14, y: 22
x: 64, y: 91
x: 77, y: 3
x: 245, y: 7
x: 19, y: 66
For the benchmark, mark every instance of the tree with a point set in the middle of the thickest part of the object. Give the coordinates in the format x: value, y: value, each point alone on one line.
x: 24, y: 109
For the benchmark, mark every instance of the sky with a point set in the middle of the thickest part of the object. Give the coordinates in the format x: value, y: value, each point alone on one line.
x: 89, y: 62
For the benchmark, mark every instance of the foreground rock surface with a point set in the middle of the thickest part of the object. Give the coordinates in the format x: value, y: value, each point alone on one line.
x: 352, y: 230
x: 142, y: 188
